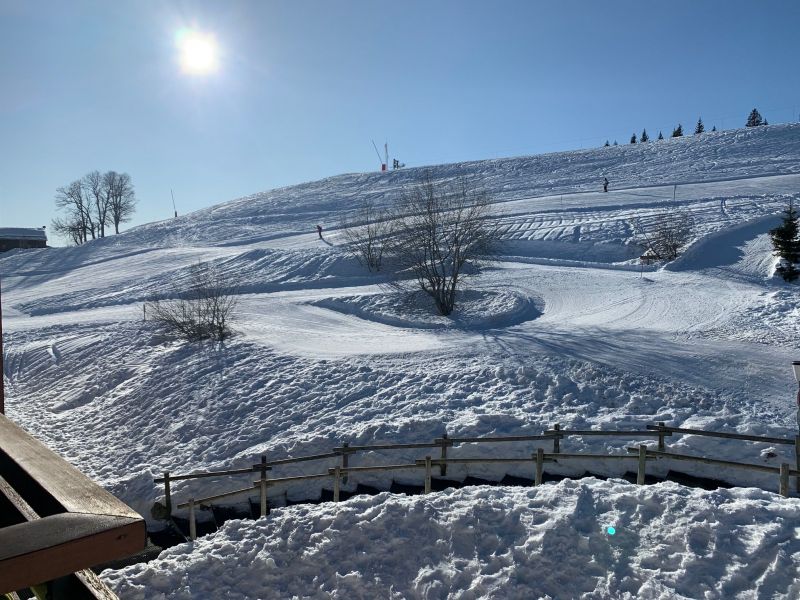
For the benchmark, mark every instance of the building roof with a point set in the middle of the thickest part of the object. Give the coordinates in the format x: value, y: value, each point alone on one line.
x: 22, y: 233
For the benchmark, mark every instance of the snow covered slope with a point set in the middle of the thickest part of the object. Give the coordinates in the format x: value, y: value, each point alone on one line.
x: 564, y: 328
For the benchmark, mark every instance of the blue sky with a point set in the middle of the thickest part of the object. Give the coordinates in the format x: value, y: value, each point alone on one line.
x: 302, y: 87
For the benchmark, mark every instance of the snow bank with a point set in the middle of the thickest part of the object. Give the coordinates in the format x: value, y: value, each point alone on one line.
x: 476, y: 309
x: 548, y: 542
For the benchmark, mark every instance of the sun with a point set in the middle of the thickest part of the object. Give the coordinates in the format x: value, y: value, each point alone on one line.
x: 199, y: 53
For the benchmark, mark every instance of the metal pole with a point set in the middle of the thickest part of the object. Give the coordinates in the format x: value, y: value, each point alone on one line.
x: 556, y: 440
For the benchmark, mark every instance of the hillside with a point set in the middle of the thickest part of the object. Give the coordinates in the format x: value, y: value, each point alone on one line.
x: 564, y: 328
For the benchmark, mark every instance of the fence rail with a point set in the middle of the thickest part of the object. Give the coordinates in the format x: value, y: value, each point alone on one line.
x: 339, y: 473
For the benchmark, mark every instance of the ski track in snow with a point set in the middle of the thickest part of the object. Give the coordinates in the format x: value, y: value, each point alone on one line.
x: 576, y: 334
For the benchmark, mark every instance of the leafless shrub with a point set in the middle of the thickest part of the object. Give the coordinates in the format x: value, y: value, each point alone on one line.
x: 203, y: 312
x: 367, y: 234
x: 667, y: 235
x: 441, y: 233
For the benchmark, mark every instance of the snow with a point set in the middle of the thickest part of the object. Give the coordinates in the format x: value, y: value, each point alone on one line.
x: 564, y: 327
x: 547, y: 542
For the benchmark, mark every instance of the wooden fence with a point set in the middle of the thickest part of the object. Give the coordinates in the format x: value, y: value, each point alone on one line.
x: 339, y: 473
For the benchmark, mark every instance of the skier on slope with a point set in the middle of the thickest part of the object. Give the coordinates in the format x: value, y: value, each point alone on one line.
x: 605, y: 184
x: 319, y: 231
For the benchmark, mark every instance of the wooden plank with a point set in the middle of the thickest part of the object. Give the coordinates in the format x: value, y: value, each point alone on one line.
x: 597, y: 432
x: 730, y: 436
x: 427, y: 474
x: 488, y: 460
x: 95, y: 586
x: 642, y: 464
x: 287, y: 461
x: 715, y: 461
x: 539, y: 466
x: 496, y: 439
x: 377, y: 468
x: 73, y: 490
x: 231, y: 494
x: 18, y: 501
x: 58, y: 545
x: 783, y: 488
x: 342, y: 449
x: 204, y: 474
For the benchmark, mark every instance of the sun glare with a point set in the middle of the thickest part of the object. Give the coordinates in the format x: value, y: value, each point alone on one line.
x: 198, y: 52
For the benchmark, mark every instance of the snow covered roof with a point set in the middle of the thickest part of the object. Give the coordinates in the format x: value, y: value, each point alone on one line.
x: 22, y: 233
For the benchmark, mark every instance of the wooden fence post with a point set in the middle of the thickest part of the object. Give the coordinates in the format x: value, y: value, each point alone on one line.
x: 263, y: 484
x: 784, y: 486
x: 539, y: 466
x: 660, y: 436
x: 443, y: 466
x: 336, y: 474
x: 192, y: 524
x: 427, y: 474
x: 556, y: 440
x: 167, y: 494
x: 345, y: 460
x: 642, y: 461
x: 797, y: 462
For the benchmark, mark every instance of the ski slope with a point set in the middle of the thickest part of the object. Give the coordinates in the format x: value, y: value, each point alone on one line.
x: 565, y: 327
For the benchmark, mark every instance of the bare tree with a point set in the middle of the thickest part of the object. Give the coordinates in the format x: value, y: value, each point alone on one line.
x: 367, y: 233
x: 667, y: 234
x: 76, y: 203
x: 69, y: 228
x: 204, y: 311
x: 99, y: 199
x: 121, y: 197
x: 442, y: 233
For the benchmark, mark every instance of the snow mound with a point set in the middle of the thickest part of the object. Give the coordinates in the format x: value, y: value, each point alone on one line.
x: 475, y: 309
x: 481, y: 542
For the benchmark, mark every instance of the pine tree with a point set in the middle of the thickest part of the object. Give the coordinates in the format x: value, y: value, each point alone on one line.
x: 714, y: 128
x: 633, y: 139
x: 607, y: 144
x: 678, y: 131
x: 786, y: 243
x: 755, y: 119
x: 645, y: 137
x: 615, y: 143
x: 765, y: 122
x: 699, y: 128
x: 660, y: 135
